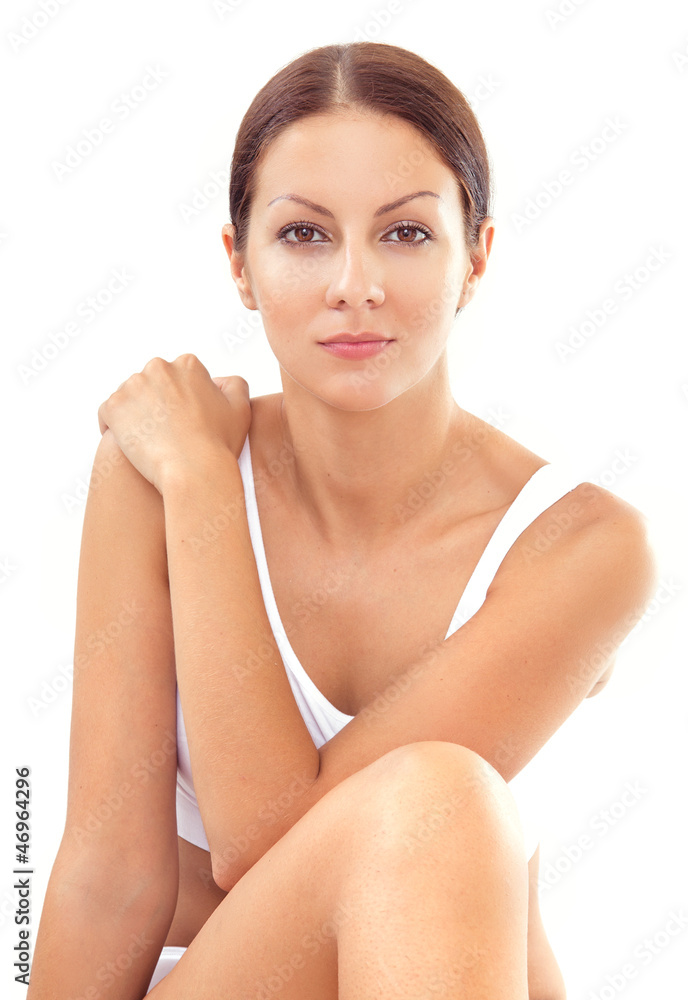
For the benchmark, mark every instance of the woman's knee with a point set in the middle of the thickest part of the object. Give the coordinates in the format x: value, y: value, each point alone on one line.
x: 426, y: 792
x: 436, y: 767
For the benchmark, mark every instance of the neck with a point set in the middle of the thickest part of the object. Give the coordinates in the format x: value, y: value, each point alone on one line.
x: 366, y: 474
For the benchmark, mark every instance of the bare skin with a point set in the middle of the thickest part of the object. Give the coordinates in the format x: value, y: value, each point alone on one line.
x: 362, y: 441
x: 374, y: 636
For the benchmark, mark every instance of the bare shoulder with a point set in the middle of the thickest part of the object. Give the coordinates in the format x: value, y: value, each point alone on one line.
x: 265, y: 407
x: 603, y: 519
x: 595, y: 546
x: 588, y: 525
x: 590, y: 531
x: 590, y: 550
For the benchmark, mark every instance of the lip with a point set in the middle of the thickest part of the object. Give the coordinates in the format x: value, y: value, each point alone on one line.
x: 355, y: 349
x: 353, y: 338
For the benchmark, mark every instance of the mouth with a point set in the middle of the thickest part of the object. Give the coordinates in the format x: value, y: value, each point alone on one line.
x: 366, y: 336
x: 355, y: 348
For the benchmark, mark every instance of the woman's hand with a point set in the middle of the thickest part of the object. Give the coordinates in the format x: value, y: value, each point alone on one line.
x: 173, y: 415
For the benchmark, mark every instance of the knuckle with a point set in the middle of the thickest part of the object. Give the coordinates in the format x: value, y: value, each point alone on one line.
x: 153, y: 364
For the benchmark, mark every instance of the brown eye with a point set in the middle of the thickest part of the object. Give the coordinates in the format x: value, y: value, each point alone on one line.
x: 305, y: 233
x: 409, y: 235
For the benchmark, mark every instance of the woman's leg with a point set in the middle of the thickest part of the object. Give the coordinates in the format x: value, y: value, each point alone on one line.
x: 407, y: 880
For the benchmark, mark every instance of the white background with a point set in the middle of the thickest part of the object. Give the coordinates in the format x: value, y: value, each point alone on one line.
x: 615, y: 407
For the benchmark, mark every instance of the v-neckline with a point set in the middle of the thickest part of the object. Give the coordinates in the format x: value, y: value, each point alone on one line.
x: 289, y: 657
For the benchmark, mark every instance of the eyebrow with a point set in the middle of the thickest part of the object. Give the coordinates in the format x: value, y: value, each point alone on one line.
x: 380, y: 211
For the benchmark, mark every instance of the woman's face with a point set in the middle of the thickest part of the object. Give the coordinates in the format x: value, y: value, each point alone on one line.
x: 336, y: 244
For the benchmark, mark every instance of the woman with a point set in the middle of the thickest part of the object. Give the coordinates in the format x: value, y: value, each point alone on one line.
x: 343, y: 824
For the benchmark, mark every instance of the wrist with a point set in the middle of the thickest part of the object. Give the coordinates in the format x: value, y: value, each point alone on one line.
x: 204, y: 468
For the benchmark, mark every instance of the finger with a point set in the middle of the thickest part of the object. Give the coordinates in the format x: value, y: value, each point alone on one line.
x: 231, y: 382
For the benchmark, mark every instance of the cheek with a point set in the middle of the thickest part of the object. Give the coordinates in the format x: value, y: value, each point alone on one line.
x: 430, y: 308
x: 287, y: 282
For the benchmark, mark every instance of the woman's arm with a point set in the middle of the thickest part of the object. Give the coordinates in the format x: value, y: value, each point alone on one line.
x: 113, y: 887
x: 248, y: 742
x: 183, y: 432
x: 501, y: 685
x: 504, y: 682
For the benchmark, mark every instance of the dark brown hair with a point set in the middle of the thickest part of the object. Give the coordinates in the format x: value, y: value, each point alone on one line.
x: 373, y: 77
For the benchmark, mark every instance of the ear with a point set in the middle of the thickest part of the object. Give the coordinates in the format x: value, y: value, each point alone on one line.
x: 478, y: 263
x: 238, y: 267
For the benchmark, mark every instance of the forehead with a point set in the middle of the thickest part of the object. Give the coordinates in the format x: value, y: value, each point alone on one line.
x: 382, y: 156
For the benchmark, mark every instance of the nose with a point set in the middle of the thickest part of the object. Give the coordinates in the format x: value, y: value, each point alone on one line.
x: 354, y: 279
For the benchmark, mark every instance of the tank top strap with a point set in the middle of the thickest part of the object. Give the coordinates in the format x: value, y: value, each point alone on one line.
x: 549, y: 484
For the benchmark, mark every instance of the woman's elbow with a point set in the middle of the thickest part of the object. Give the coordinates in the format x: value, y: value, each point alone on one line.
x: 234, y: 858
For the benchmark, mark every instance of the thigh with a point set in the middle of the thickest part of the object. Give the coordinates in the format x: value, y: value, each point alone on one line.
x: 276, y: 931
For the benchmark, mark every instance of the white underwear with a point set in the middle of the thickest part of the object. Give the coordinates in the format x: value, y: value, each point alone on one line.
x: 169, y: 956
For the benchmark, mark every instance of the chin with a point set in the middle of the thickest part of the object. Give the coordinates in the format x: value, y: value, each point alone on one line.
x: 355, y: 391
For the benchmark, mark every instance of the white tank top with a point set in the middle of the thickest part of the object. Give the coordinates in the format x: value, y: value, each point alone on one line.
x: 549, y: 484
